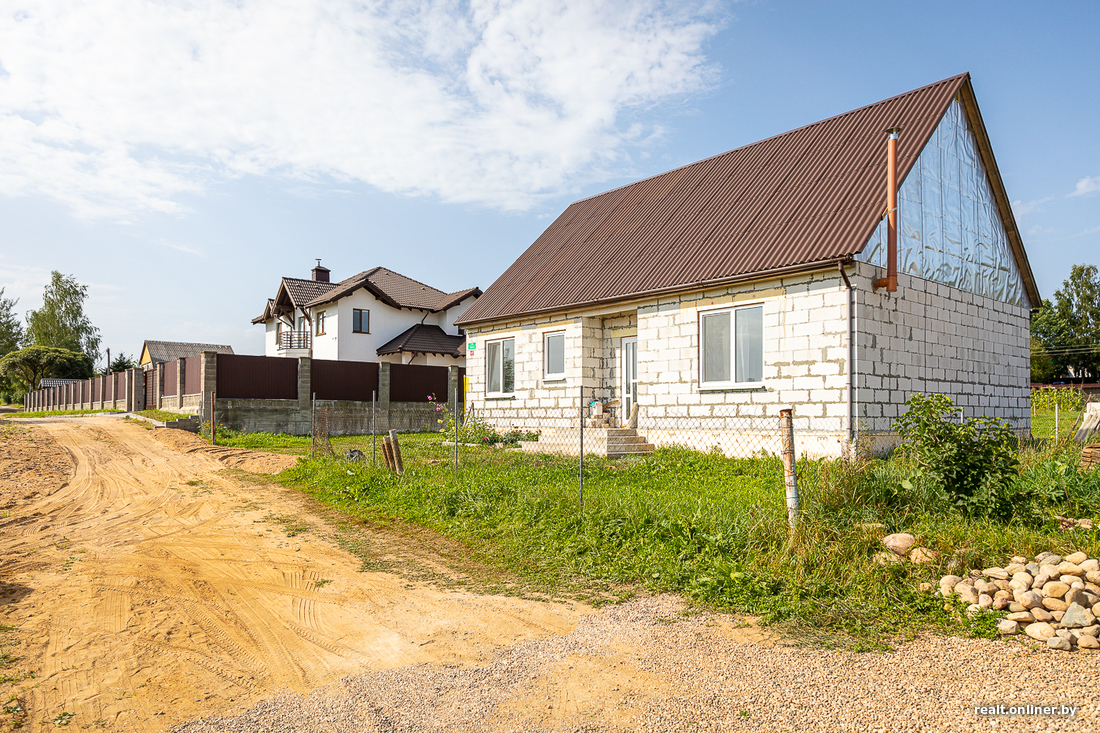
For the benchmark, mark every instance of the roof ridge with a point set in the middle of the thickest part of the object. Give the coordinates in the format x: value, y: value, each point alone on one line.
x: 778, y: 135
x: 395, y: 272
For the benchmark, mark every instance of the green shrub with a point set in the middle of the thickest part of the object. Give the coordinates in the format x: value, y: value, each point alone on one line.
x: 1071, y: 399
x: 973, y: 460
x: 473, y: 429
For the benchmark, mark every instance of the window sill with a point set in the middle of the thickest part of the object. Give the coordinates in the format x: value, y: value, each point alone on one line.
x: 555, y: 380
x: 747, y: 387
x: 500, y: 396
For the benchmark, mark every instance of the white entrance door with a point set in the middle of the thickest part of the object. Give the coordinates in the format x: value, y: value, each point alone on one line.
x: 630, y: 377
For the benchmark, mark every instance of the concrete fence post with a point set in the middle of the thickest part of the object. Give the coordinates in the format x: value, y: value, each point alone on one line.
x: 139, y: 389
x: 208, y: 377
x: 181, y: 365
x: 452, y: 389
x: 304, y: 382
x: 384, y: 393
x: 154, y: 374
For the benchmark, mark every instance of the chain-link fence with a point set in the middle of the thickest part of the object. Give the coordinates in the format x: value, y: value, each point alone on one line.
x: 588, y: 427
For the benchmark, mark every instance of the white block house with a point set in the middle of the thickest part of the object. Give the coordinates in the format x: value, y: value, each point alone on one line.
x: 745, y: 283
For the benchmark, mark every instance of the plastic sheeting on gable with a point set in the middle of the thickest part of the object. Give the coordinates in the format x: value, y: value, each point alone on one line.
x: 949, y: 228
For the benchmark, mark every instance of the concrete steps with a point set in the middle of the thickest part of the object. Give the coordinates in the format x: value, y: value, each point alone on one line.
x: 602, y: 441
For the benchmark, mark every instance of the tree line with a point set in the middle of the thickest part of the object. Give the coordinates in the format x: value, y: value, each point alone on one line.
x: 59, y: 340
x: 1065, y: 331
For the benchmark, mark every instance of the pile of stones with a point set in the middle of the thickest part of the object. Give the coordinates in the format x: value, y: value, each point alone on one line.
x: 1052, y: 599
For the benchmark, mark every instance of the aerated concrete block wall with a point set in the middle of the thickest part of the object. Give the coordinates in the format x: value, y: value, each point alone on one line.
x: 930, y: 338
x: 537, y: 401
x: 805, y: 355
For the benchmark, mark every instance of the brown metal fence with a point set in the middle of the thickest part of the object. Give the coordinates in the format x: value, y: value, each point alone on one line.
x: 343, y: 380
x: 257, y: 377
x: 168, y: 378
x: 192, y: 375
x: 418, y: 383
x: 149, y: 378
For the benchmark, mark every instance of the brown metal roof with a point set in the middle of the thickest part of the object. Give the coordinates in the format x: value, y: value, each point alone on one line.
x: 396, y: 290
x: 791, y: 202
x: 424, y: 339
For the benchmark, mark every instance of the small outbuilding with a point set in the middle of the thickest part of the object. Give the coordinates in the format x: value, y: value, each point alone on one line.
x: 157, y: 352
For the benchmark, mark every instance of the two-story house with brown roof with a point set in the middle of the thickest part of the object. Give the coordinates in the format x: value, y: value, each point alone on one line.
x: 376, y: 315
x: 835, y: 269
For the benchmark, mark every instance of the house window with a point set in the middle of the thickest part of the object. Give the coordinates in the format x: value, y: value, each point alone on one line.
x: 553, y: 355
x: 320, y: 323
x: 360, y: 320
x: 500, y: 367
x: 732, y: 347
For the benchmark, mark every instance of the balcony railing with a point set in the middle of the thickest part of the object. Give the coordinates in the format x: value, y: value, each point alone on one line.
x: 293, y: 340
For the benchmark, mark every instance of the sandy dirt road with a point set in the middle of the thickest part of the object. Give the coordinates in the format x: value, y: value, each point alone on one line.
x: 146, y: 587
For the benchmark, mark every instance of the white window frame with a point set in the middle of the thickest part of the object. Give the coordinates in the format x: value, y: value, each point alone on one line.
x: 500, y: 341
x: 547, y: 375
x: 732, y: 383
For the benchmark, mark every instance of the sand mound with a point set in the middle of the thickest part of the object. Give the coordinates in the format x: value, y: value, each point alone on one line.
x: 246, y: 460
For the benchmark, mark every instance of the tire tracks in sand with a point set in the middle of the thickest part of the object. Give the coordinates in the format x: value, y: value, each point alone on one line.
x: 153, y: 602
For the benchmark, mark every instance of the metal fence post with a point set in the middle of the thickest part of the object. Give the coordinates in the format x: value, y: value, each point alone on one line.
x: 456, y: 424
x: 313, y: 427
x: 213, y: 429
x: 1056, y: 420
x: 786, y: 427
x: 580, y: 468
x: 373, y: 427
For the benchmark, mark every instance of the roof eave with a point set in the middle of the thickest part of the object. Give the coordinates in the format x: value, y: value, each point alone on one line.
x: 813, y: 266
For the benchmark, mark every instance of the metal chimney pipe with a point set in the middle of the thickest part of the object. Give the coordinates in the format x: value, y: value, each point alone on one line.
x: 890, y: 282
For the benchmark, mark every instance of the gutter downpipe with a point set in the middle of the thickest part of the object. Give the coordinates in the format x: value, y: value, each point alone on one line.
x: 851, y: 353
x: 890, y: 282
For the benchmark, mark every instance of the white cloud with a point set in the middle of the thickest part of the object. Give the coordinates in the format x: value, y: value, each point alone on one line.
x: 1023, y: 208
x: 1088, y: 184
x: 124, y: 106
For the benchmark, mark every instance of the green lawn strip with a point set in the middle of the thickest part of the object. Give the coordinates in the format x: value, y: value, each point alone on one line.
x: 708, y: 527
x: 162, y: 415
x: 295, y: 445
x: 58, y: 413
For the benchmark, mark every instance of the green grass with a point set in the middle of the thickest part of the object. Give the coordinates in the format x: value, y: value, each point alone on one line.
x: 708, y: 527
x: 162, y: 415
x: 58, y: 413
x: 1042, y: 424
x: 295, y: 445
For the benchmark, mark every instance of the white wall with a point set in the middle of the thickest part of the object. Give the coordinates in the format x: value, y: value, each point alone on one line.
x: 805, y: 359
x: 931, y: 338
x: 926, y: 338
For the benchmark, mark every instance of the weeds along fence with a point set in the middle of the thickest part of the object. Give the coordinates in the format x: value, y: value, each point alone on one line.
x: 595, y: 430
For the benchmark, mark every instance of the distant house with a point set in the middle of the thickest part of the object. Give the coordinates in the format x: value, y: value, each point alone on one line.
x: 157, y: 352
x: 376, y: 315
x: 758, y: 279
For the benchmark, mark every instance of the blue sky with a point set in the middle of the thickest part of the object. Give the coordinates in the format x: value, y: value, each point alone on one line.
x: 178, y: 158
